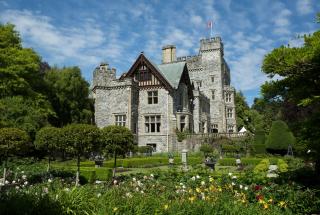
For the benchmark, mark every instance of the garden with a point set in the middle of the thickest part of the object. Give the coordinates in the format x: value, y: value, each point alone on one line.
x: 67, y: 180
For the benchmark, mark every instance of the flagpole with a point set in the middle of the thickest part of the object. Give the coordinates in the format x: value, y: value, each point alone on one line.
x: 211, y: 30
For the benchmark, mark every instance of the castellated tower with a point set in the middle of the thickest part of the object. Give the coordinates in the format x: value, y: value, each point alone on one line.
x: 210, y: 73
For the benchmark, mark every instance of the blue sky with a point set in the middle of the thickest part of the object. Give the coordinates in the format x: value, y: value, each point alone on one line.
x: 85, y: 33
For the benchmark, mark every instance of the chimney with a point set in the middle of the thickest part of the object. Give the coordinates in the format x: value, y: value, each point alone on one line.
x: 169, y: 54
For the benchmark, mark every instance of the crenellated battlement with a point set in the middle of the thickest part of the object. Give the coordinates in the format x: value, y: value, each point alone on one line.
x: 210, y: 40
x: 210, y: 44
x: 184, y: 58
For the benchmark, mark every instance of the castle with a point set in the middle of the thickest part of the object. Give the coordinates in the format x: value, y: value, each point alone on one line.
x: 155, y: 101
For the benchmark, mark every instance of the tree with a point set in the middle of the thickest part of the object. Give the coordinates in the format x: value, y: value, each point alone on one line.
x: 80, y: 139
x: 246, y: 117
x: 298, y: 89
x: 25, y: 113
x: 117, y: 140
x: 21, y: 83
x: 48, y: 139
x: 279, y: 138
x: 68, y: 93
x: 13, y: 141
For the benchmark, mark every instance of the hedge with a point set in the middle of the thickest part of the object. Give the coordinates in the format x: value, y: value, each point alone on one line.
x: 244, y: 161
x: 258, y: 148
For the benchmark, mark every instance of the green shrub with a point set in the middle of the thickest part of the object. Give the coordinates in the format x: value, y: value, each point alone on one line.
x: 262, y: 167
x: 206, y: 149
x: 280, y: 137
x: 282, y: 166
x: 93, y: 177
x: 259, y: 137
x: 231, y: 148
x: 258, y: 148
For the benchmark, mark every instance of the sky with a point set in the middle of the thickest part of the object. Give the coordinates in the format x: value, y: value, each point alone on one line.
x: 85, y: 33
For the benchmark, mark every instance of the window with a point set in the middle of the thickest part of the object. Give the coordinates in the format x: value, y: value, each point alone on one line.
x: 143, y: 74
x: 228, y: 97
x: 153, y: 124
x: 230, y: 128
x: 214, y: 128
x: 120, y: 120
x: 212, y: 79
x: 229, y: 112
x: 182, y: 122
x: 199, y: 83
x: 212, y: 94
x: 153, y: 97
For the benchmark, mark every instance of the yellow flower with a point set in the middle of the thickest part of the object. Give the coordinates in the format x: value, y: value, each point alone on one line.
x: 265, y: 206
x: 166, y: 206
x: 198, y: 190
x: 270, y: 200
x: 211, y: 179
x: 115, y: 209
x: 261, y: 201
x: 190, y: 190
x: 192, y: 198
x: 282, y: 204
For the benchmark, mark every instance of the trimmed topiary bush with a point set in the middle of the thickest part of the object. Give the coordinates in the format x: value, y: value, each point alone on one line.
x: 262, y: 167
x: 279, y: 138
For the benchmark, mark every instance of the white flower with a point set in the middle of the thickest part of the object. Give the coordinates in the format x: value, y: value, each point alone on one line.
x: 233, y: 184
x: 230, y: 173
x: 115, y: 182
x: 241, y: 186
x: 142, y: 191
x: 24, y: 177
x: 184, y: 187
x: 197, y: 176
x: 25, y: 183
x: 128, y: 195
x: 98, y: 195
x: 17, y: 187
x: 45, y: 190
x: 98, y: 182
x: 234, y: 177
x: 181, y: 184
x: 137, y: 189
x: 139, y: 183
x: 66, y: 189
x: 7, y: 182
x: 203, y: 183
x: 13, y: 182
x: 22, y: 172
x: 49, y: 180
x: 193, y: 178
x: 145, y: 177
x: 246, y: 188
x: 1, y: 184
x: 151, y: 175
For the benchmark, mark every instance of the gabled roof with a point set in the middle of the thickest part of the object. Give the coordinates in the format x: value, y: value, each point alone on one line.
x: 169, y: 74
x: 172, y: 72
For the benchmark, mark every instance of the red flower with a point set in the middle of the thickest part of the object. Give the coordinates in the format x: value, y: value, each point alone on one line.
x: 257, y: 187
x: 259, y: 197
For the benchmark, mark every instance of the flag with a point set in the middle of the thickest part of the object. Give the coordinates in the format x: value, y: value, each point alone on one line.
x: 209, y: 24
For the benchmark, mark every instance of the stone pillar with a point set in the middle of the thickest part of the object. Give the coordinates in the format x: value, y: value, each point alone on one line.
x: 169, y: 54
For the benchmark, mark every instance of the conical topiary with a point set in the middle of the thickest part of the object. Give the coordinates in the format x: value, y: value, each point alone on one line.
x: 280, y: 137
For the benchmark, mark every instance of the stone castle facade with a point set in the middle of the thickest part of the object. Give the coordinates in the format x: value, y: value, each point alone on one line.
x: 186, y: 93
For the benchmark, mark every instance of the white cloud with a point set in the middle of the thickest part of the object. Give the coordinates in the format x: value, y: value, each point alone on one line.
x: 281, y: 22
x: 196, y: 20
x: 62, y: 43
x: 246, y: 73
x: 304, y: 7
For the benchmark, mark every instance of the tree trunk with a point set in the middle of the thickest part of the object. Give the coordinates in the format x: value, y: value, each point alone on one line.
x: 115, y: 163
x: 5, y: 169
x: 78, y: 170
x: 49, y: 160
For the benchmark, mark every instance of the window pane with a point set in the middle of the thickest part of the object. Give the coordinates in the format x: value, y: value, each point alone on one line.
x: 155, y: 93
x: 155, y: 100
x: 158, y: 127
x: 152, y: 118
x: 150, y: 100
x: 152, y: 127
